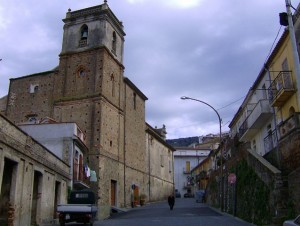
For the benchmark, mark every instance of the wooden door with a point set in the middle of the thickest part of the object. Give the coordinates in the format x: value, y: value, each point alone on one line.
x: 113, y: 190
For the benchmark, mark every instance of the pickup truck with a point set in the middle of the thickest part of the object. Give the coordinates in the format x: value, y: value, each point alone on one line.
x: 81, y: 208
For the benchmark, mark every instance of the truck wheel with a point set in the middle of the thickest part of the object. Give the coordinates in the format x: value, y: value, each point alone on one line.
x: 61, y: 222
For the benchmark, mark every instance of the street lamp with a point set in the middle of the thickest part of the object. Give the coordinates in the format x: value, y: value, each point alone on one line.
x: 220, y: 136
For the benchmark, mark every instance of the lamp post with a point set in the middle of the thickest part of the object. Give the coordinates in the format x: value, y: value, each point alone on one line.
x: 220, y: 136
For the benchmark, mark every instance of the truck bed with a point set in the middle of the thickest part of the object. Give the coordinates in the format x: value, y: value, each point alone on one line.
x: 76, y: 208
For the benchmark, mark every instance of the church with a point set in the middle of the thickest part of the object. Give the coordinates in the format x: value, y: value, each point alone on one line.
x: 88, y: 87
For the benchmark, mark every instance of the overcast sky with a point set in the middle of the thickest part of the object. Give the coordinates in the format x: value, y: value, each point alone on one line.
x: 211, y: 50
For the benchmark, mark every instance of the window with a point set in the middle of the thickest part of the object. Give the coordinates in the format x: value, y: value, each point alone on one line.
x: 114, y: 42
x: 81, y: 195
x: 187, y: 166
x: 112, y: 79
x: 84, y: 33
x: 134, y: 100
x: 285, y: 65
x: 81, y: 73
x: 161, y: 160
x: 291, y: 111
x: 269, y: 129
x: 254, y: 145
x: 33, y: 88
x: 264, y: 92
x: 32, y: 118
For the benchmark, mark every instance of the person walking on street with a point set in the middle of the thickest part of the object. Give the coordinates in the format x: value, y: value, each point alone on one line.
x: 171, y: 201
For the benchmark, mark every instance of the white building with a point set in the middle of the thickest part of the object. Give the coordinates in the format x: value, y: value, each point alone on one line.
x: 185, y: 159
x: 67, y: 142
x: 254, y: 122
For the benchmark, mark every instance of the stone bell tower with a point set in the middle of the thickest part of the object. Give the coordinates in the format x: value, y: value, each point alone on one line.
x: 90, y: 92
x: 92, y: 28
x: 93, y: 42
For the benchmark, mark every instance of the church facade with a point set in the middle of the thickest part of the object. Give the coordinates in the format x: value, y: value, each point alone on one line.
x: 89, y: 88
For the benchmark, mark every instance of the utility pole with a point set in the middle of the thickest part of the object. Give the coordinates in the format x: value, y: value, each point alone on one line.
x: 294, y: 46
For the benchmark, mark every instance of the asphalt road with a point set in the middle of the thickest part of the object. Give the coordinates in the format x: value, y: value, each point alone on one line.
x: 186, y: 212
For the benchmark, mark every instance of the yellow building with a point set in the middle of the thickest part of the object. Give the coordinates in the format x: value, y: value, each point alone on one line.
x: 283, y: 92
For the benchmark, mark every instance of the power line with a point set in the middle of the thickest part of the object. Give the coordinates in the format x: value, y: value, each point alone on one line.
x: 232, y: 103
x: 273, y: 45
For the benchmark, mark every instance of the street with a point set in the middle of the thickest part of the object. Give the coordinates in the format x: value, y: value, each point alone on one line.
x: 186, y: 212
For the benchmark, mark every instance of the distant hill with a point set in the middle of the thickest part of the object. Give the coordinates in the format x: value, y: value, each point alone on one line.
x: 183, y: 142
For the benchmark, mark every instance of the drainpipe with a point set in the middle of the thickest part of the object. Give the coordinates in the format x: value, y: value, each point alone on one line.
x: 149, y: 167
x: 124, y: 151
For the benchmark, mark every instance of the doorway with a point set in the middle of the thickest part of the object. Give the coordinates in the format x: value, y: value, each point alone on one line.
x: 57, y: 197
x: 7, y: 188
x: 36, y: 197
x: 113, y: 191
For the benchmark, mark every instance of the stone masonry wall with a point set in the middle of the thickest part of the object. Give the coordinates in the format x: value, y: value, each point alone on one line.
x: 24, y: 101
x: 135, y: 155
x: 290, y: 152
x: 290, y: 164
x: 30, y: 157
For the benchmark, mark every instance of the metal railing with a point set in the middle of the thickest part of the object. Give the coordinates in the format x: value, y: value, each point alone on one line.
x: 283, y: 81
x: 289, y: 125
x: 270, y: 141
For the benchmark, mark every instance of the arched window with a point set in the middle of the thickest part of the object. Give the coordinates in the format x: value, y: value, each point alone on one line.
x: 81, y: 71
x: 291, y: 111
x: 114, y: 42
x: 84, y: 32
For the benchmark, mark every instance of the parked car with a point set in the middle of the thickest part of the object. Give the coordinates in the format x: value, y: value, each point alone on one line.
x: 188, y: 195
x: 177, y: 194
x: 295, y: 222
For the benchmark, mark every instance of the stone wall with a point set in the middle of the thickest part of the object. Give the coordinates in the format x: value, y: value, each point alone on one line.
x: 294, y: 193
x: 289, y: 153
x: 31, y: 96
x: 270, y: 191
x: 27, y: 161
x: 161, y: 166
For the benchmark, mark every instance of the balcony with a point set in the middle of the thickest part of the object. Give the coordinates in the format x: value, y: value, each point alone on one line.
x: 201, y: 176
x: 281, y: 89
x: 257, y: 117
x: 186, y: 171
x: 289, y: 125
x: 187, y: 185
x: 80, y: 180
x: 270, y: 141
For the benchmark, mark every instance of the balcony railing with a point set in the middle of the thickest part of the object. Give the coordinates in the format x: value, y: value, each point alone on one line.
x: 201, y: 176
x: 243, y: 128
x: 187, y: 185
x: 261, y: 112
x: 258, y: 114
x: 281, y: 88
x: 270, y: 141
x: 80, y: 180
x: 289, y: 125
x: 186, y: 171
